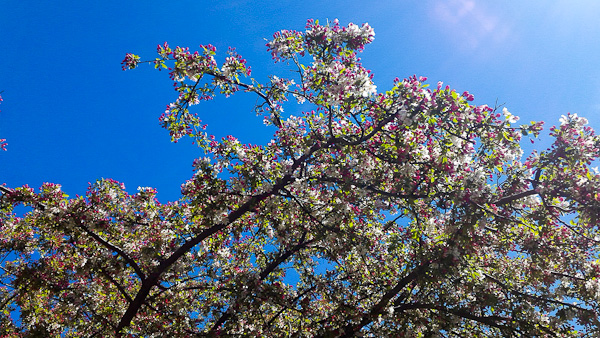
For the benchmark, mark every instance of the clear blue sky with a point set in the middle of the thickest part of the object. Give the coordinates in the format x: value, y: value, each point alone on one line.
x: 72, y: 116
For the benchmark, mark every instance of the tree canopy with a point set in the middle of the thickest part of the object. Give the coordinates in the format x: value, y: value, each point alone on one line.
x: 404, y: 213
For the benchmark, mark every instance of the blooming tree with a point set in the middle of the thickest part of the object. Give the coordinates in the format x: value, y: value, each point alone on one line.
x: 404, y: 213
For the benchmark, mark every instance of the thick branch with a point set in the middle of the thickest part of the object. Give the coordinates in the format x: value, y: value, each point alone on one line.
x: 5, y: 190
x: 274, y: 264
x: 536, y: 297
x: 491, y: 321
x: 508, y: 199
x: 351, y: 329
x: 114, y: 248
x: 152, y: 279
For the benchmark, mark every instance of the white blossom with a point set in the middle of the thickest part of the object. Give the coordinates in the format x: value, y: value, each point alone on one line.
x: 510, y: 118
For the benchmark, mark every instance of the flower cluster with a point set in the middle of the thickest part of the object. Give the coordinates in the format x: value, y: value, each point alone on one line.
x: 352, y: 37
x: 573, y: 120
x: 286, y: 44
x: 339, y: 81
x: 234, y: 64
x: 131, y: 61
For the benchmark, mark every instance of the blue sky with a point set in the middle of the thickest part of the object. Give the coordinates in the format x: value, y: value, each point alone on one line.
x: 72, y: 116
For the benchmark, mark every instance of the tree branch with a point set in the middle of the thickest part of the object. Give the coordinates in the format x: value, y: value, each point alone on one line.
x: 351, y: 329
x: 274, y: 264
x: 153, y: 278
x: 114, y: 248
x: 508, y: 199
